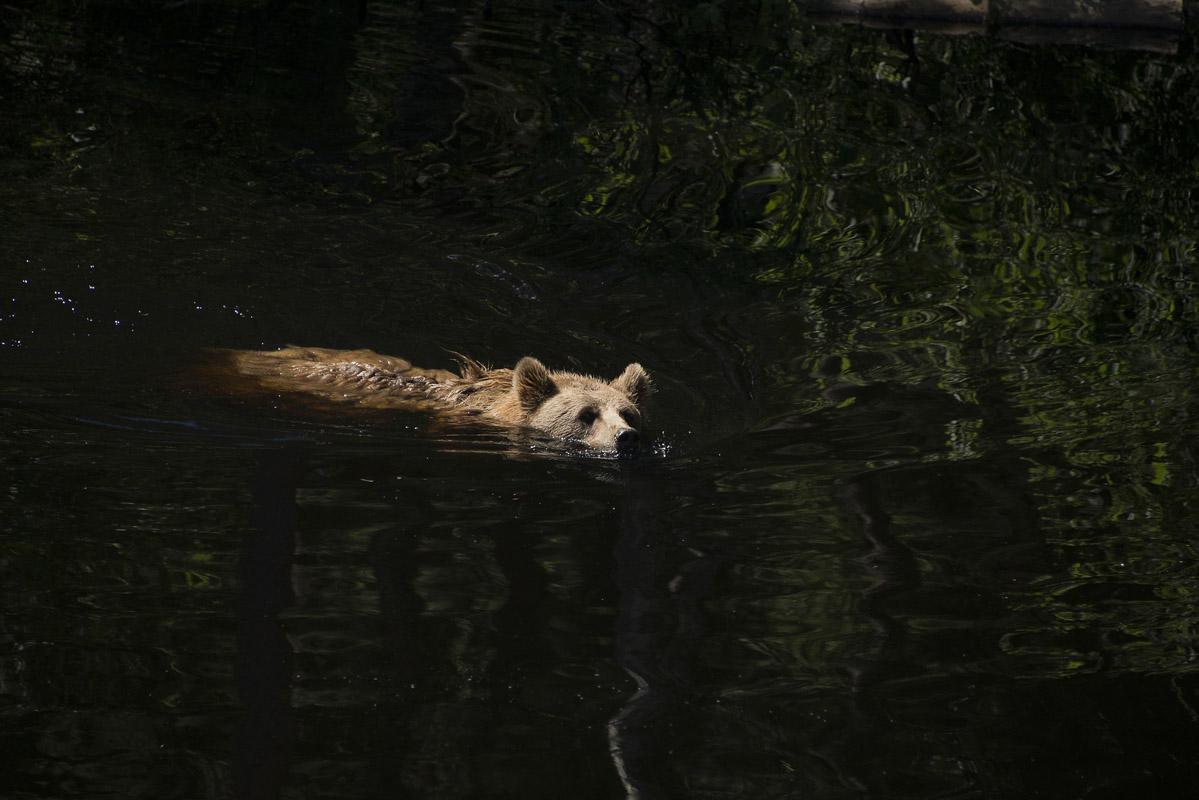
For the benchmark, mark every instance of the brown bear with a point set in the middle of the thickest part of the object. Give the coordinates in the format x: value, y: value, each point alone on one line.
x: 601, y: 414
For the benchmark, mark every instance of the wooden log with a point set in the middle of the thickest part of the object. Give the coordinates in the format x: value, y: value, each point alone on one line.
x: 1140, y: 14
x: 1153, y: 40
x: 955, y: 11
x: 1154, y: 25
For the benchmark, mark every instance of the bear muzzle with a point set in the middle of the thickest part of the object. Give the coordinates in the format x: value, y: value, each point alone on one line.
x: 627, y: 440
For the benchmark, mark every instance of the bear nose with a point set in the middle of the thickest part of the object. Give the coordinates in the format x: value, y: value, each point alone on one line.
x: 627, y: 439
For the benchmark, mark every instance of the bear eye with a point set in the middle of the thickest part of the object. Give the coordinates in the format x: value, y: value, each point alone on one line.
x: 631, y: 417
x: 588, y: 416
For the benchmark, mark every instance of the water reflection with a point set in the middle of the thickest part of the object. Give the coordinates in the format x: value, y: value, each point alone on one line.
x: 265, y: 661
x: 662, y: 585
x: 921, y: 310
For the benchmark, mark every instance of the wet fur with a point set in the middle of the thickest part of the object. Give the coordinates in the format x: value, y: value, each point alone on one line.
x: 560, y: 403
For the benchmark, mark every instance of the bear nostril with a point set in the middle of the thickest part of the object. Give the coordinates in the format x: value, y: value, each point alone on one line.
x: 627, y: 438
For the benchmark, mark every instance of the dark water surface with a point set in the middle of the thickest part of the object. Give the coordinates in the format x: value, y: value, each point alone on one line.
x: 923, y: 315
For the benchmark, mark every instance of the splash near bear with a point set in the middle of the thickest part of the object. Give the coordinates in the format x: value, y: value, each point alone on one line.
x: 604, y: 415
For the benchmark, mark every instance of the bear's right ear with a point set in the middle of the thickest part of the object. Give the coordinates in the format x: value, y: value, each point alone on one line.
x: 532, y: 383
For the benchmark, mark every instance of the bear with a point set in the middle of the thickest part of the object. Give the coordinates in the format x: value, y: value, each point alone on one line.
x: 602, y: 415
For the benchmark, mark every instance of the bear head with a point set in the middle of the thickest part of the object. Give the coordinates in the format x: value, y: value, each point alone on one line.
x: 605, y: 415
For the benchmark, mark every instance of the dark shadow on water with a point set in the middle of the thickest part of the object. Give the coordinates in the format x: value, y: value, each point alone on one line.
x: 893, y: 570
x: 264, y: 656
x: 402, y: 654
x: 890, y: 564
x: 662, y: 585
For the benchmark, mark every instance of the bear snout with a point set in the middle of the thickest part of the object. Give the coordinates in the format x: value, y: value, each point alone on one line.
x: 627, y: 439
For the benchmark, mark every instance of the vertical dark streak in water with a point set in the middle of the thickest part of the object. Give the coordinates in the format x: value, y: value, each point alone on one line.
x: 393, y: 554
x: 658, y: 629
x: 429, y: 98
x: 522, y: 618
x: 264, y: 656
x: 732, y: 363
x: 894, y: 570
x: 889, y: 561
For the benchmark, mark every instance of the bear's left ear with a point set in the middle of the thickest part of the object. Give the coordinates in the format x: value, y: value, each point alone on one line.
x: 634, y: 383
x: 532, y: 383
